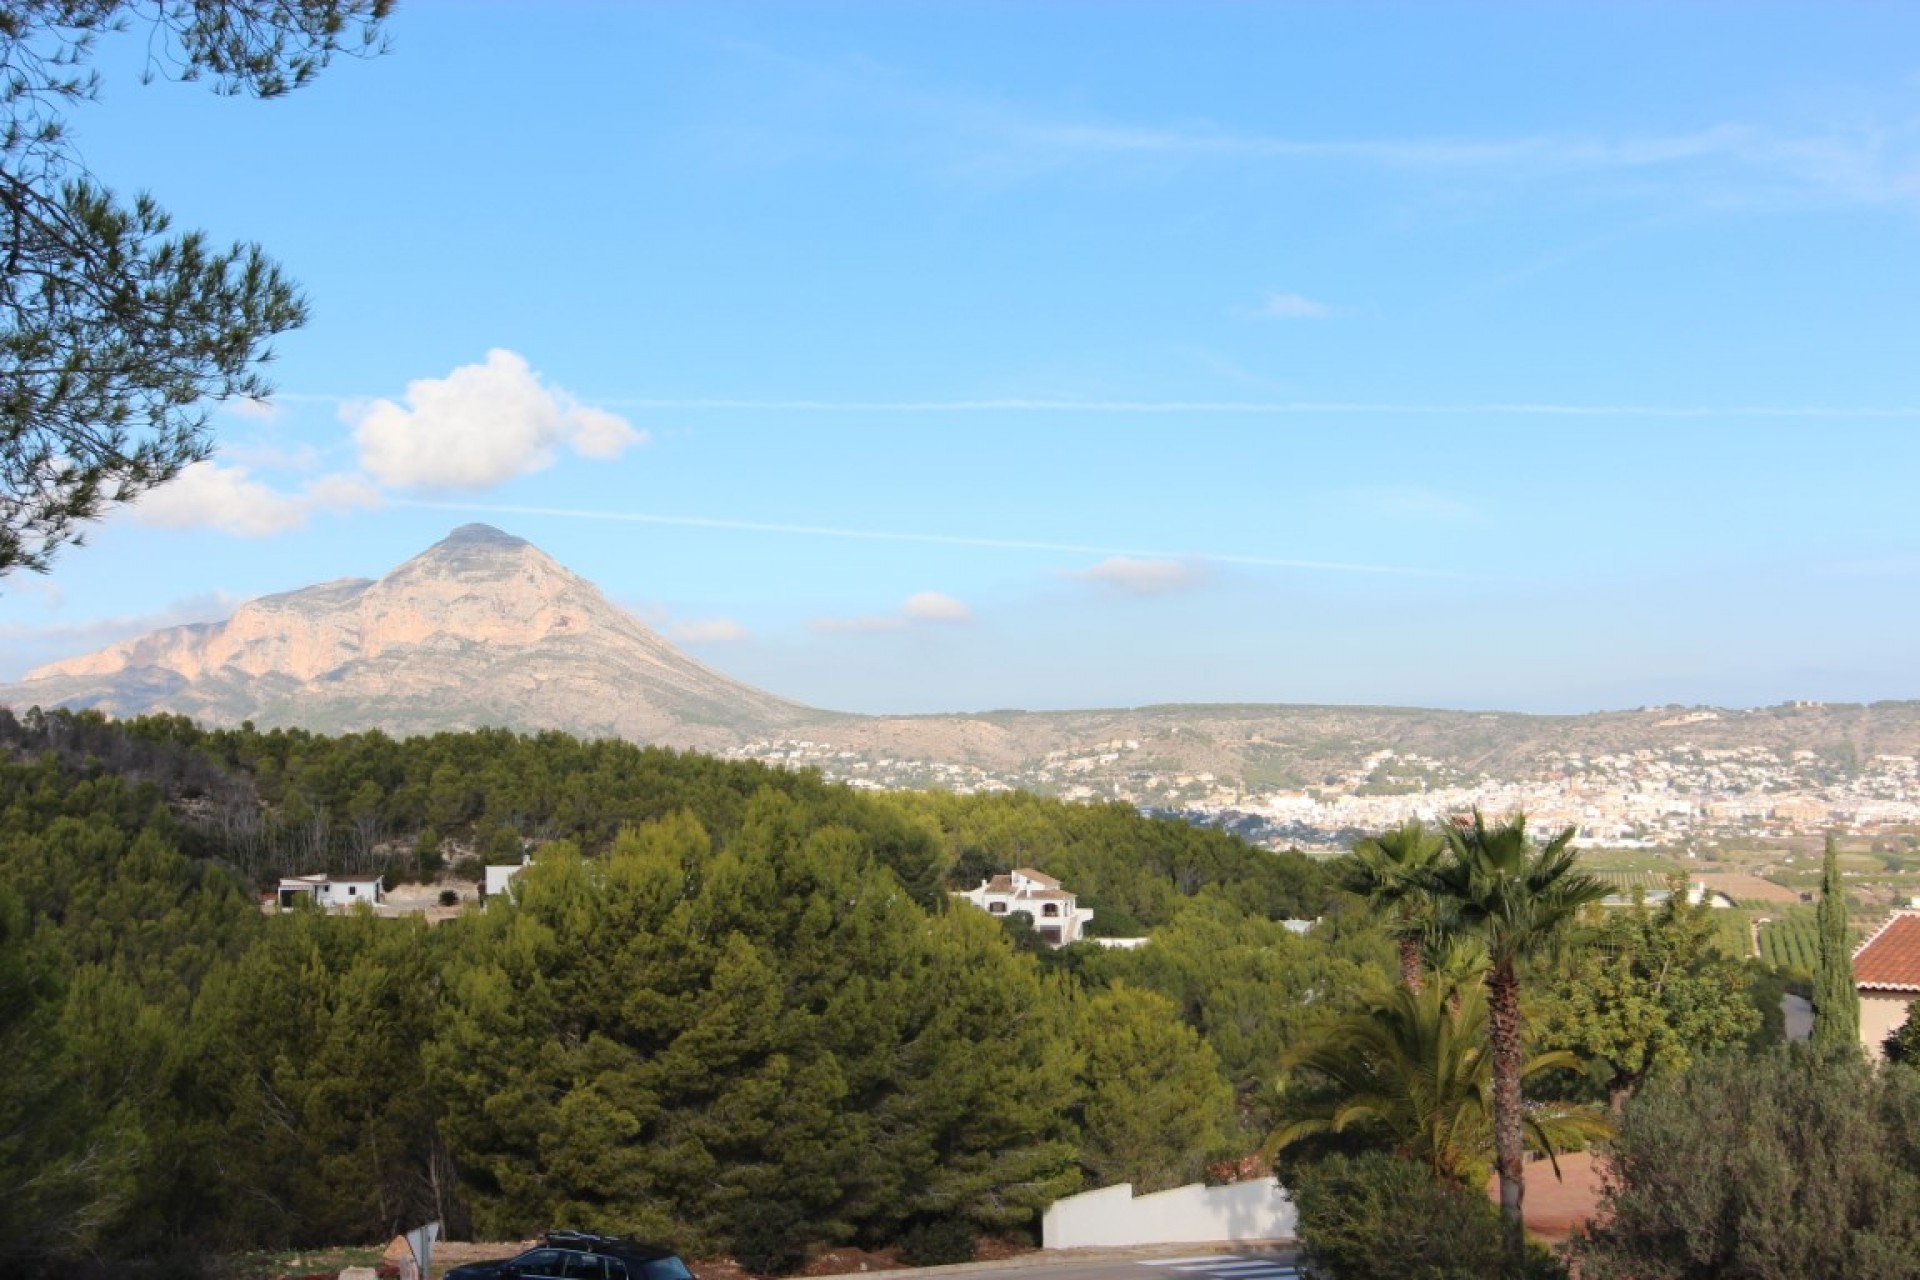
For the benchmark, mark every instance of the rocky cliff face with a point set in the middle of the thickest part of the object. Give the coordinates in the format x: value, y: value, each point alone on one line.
x: 481, y: 629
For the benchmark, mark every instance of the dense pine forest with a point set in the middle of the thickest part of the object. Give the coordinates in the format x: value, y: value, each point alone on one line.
x: 728, y: 1007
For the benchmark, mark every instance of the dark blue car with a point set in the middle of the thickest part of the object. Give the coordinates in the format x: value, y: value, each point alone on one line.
x: 575, y: 1255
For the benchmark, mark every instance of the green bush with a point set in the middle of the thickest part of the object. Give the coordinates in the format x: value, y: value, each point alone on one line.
x: 1903, y: 1044
x: 769, y: 1237
x: 1793, y: 1163
x: 938, y: 1243
x: 1375, y: 1217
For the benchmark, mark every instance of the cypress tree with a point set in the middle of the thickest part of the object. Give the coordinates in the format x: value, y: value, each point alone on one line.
x: 1836, y: 1001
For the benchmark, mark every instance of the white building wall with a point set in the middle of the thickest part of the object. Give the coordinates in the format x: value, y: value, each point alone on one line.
x: 500, y: 875
x: 1881, y: 1014
x: 337, y: 895
x: 1114, y: 1217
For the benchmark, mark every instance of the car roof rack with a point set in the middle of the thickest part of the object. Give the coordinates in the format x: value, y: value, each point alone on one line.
x: 585, y: 1239
x: 638, y: 1249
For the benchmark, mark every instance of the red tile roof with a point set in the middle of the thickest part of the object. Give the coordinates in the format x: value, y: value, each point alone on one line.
x: 1039, y: 877
x: 1890, y: 959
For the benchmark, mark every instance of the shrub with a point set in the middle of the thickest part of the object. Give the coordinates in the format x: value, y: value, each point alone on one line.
x: 1787, y: 1164
x: 769, y: 1237
x: 449, y: 897
x: 1903, y: 1045
x: 938, y: 1243
x: 1376, y: 1217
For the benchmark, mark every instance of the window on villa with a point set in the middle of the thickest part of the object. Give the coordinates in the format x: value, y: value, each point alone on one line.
x: 997, y: 908
x: 1050, y: 910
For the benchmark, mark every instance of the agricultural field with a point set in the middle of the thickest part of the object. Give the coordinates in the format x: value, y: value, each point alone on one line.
x: 1791, y: 938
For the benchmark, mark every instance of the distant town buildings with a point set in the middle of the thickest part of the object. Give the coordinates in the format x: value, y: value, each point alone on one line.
x: 1640, y: 798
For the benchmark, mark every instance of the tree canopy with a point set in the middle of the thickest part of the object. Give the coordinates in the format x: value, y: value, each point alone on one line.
x: 1650, y: 994
x: 1836, y: 1000
x: 115, y: 330
x: 719, y: 986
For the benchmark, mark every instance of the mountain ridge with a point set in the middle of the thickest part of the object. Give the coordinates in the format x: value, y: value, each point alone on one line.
x: 483, y: 629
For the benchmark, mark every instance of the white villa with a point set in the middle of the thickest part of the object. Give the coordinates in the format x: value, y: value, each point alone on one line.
x: 1057, y: 917
x: 330, y: 893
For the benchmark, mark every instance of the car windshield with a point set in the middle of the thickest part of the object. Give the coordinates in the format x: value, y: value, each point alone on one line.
x: 668, y: 1268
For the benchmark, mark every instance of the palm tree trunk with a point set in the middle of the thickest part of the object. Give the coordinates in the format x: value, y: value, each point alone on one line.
x: 1503, y: 1024
x: 1410, y: 969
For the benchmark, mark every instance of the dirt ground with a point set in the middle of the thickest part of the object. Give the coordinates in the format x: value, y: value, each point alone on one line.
x: 1555, y: 1207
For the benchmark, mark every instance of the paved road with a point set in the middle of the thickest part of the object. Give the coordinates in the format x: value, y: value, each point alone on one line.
x: 1253, y: 1263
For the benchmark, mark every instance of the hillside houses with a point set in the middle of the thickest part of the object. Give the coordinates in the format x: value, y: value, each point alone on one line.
x: 1056, y: 914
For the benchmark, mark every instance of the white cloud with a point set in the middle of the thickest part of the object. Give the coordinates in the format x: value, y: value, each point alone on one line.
x: 933, y: 606
x: 1869, y: 163
x: 856, y: 626
x: 1143, y: 577
x: 251, y: 409
x: 208, y: 495
x: 1896, y: 566
x: 480, y: 425
x: 1293, y: 306
x: 26, y: 584
x: 269, y: 457
x: 710, y: 631
x: 1416, y: 503
x: 925, y: 608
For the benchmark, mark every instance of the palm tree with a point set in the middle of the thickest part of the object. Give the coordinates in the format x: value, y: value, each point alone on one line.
x: 1412, y: 1072
x: 1390, y: 871
x: 1519, y: 900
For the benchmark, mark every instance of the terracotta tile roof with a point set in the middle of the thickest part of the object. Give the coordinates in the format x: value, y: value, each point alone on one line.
x: 1039, y: 877
x: 1890, y: 959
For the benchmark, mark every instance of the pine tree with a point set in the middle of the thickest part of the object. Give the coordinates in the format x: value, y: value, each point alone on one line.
x: 1155, y: 1103
x: 116, y: 333
x: 1836, y: 1001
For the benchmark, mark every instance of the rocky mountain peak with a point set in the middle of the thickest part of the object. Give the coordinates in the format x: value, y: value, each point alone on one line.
x: 482, y: 628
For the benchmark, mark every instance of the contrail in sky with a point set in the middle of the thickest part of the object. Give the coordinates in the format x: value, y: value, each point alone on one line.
x: 938, y: 539
x: 1258, y: 408
x: 1243, y: 408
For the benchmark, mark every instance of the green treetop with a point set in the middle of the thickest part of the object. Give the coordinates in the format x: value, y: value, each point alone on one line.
x: 1519, y: 900
x: 1652, y: 993
x: 1836, y: 1001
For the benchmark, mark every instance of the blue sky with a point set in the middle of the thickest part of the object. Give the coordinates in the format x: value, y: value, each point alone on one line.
x: 942, y: 357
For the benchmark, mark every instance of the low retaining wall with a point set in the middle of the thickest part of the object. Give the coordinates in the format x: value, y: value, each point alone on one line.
x: 1194, y: 1214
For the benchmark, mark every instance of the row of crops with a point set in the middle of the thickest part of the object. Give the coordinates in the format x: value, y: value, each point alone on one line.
x: 1792, y: 939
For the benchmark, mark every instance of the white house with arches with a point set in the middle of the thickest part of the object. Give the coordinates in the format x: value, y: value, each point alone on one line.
x: 1056, y: 914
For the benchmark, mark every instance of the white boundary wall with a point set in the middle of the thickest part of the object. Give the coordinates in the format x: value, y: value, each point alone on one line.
x: 1193, y: 1214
